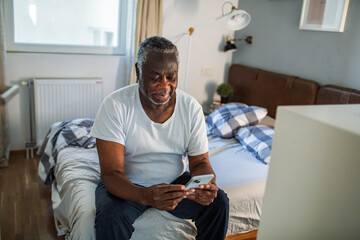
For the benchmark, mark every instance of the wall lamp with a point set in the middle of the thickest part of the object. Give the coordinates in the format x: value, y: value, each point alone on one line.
x: 236, y: 19
x: 230, y: 43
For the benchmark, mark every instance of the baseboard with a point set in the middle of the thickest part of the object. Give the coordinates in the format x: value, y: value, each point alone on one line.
x: 22, y: 153
x: 17, y: 153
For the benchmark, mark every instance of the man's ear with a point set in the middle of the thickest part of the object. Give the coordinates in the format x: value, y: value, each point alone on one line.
x: 137, y: 71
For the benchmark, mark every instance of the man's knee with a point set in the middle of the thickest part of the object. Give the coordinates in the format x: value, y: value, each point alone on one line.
x: 222, y: 200
x: 104, y: 201
x: 116, y: 209
x: 111, y: 208
x: 115, y: 216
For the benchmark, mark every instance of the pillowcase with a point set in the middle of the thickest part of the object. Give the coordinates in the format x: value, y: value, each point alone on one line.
x: 227, y: 119
x: 267, y: 121
x: 215, y: 119
x: 258, y: 140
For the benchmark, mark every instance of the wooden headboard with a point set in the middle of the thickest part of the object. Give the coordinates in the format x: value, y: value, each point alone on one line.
x: 266, y: 89
x: 331, y: 94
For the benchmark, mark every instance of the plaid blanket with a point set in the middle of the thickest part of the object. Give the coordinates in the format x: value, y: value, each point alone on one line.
x: 258, y: 140
x: 64, y: 134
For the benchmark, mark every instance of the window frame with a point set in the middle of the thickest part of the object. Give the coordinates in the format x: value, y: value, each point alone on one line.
x: 13, y: 47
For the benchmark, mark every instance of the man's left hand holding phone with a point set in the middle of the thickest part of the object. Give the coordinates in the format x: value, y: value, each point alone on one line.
x: 166, y: 197
x: 206, y: 190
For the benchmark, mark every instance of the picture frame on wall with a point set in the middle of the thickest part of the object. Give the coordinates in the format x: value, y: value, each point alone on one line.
x: 324, y: 15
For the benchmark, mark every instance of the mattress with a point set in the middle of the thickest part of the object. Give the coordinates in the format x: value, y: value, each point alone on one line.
x: 243, y: 178
x: 77, y: 172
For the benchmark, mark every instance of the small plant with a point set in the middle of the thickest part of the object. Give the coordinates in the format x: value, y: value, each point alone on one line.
x: 225, y: 90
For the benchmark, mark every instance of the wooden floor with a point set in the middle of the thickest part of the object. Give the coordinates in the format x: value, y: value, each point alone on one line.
x: 244, y: 236
x: 25, y: 207
x: 25, y: 203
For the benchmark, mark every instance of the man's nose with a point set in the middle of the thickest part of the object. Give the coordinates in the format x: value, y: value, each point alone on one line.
x: 163, y: 82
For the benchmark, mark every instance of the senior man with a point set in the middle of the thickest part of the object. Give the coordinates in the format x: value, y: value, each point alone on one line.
x: 143, y: 133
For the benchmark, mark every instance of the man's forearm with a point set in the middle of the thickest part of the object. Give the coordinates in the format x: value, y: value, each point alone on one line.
x: 160, y: 196
x: 120, y: 186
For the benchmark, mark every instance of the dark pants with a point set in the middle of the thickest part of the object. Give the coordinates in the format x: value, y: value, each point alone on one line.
x: 115, y: 216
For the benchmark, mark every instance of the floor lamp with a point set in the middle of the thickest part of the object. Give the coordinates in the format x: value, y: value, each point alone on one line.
x: 237, y: 19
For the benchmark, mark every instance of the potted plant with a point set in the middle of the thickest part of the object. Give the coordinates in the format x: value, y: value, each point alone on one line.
x: 225, y: 91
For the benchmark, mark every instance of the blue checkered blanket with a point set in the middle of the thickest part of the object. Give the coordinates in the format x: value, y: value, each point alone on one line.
x: 64, y: 134
x: 258, y: 140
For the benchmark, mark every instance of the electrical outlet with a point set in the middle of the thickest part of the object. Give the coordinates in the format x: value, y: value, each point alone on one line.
x: 207, y: 72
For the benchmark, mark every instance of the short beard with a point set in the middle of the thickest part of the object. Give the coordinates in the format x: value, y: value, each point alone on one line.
x: 158, y: 92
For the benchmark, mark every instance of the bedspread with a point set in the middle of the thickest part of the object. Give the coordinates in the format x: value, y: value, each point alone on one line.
x: 64, y: 134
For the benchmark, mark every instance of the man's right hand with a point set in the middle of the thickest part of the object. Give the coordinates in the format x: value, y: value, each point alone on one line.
x: 164, y: 196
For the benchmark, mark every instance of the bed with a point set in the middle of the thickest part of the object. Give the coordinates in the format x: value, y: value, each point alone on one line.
x: 69, y: 161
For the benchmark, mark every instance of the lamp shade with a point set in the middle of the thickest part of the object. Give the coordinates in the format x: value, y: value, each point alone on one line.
x: 238, y: 19
x: 229, y: 46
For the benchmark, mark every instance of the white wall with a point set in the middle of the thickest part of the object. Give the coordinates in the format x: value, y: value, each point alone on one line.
x: 207, y: 44
x: 21, y: 67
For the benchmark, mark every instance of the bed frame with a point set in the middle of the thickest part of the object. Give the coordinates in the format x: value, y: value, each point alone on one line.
x: 255, y: 86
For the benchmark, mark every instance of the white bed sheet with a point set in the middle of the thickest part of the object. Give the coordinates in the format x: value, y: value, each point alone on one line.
x: 77, y: 173
x: 243, y: 178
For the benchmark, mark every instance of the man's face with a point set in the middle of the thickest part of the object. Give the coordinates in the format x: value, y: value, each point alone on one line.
x: 159, y: 77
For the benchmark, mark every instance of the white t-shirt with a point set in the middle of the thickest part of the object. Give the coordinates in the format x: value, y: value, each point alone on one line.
x: 154, y: 152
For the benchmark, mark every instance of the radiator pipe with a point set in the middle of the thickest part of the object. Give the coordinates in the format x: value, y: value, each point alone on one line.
x: 31, y: 144
x: 31, y: 110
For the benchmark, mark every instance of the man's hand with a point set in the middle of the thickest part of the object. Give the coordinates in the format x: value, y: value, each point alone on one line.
x: 164, y: 196
x: 203, y: 195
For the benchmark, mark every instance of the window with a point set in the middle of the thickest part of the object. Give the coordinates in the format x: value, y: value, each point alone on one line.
x: 66, y: 26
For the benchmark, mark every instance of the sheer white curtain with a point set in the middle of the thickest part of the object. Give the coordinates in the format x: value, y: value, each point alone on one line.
x: 4, y: 146
x: 148, y: 23
x: 130, y: 39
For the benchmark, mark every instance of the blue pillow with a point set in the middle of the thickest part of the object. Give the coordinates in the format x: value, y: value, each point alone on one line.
x: 227, y: 119
x: 258, y: 140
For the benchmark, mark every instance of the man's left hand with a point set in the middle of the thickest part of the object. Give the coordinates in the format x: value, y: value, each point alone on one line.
x: 203, y: 195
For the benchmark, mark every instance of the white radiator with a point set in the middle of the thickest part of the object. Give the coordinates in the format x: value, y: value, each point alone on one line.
x: 62, y: 99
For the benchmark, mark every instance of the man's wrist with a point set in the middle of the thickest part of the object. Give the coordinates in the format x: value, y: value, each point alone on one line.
x: 145, y: 194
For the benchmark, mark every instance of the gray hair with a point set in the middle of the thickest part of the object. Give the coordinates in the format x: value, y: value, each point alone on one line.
x: 157, y: 44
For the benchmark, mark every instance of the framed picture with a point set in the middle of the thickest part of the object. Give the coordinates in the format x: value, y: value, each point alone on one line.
x: 324, y: 15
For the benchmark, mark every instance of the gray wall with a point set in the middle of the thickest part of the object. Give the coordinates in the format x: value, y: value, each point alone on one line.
x: 280, y: 46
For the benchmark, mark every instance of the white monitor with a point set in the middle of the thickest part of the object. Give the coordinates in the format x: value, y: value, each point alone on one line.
x: 313, y: 186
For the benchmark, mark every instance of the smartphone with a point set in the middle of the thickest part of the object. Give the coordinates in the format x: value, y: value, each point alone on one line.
x: 196, y: 181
